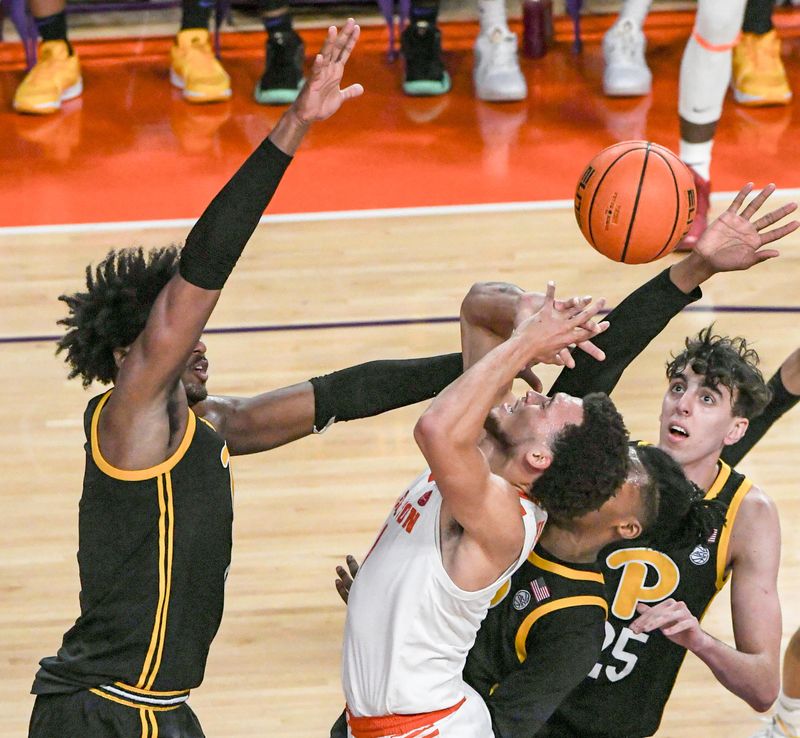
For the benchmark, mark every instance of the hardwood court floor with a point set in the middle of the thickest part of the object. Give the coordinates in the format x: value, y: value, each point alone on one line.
x: 131, y: 149
x: 274, y: 667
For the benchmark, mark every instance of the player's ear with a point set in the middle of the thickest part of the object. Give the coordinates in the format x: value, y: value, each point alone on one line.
x: 736, y: 431
x: 629, y: 527
x: 119, y: 355
x: 538, y: 458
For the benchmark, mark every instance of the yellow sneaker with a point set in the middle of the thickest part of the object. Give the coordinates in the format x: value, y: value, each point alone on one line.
x: 55, y: 77
x: 758, y: 74
x: 195, y: 69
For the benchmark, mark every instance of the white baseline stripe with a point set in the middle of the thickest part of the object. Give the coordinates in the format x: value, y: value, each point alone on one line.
x: 334, y: 215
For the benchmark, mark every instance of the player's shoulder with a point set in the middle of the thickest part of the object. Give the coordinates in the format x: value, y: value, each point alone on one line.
x: 756, y: 508
x: 215, y: 411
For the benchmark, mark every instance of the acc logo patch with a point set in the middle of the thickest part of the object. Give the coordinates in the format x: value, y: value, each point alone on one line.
x: 700, y: 555
x: 521, y: 599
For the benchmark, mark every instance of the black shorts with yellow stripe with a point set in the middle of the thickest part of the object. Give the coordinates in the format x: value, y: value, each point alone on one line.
x: 105, y: 713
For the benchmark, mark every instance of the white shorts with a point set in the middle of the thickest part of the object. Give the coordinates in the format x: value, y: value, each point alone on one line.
x: 471, y: 720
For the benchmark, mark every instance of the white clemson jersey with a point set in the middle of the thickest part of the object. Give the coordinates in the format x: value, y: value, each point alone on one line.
x: 409, y: 627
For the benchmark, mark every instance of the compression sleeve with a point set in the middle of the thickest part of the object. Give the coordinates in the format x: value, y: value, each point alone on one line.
x: 636, y: 321
x: 782, y: 400
x: 563, y: 646
x: 218, y: 238
x: 377, y: 386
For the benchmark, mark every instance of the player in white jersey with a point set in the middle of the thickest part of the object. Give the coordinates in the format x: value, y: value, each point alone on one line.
x: 466, y: 524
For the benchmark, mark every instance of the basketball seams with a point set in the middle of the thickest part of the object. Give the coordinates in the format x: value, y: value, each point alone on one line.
x: 599, y: 185
x: 632, y: 219
x: 677, y: 203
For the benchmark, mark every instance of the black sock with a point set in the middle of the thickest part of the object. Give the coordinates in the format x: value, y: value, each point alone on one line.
x: 196, y: 14
x: 758, y: 16
x: 782, y: 401
x: 275, y: 15
x: 424, y: 10
x: 53, y: 27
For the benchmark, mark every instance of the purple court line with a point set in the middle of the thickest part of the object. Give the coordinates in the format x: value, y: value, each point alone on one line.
x: 408, y: 321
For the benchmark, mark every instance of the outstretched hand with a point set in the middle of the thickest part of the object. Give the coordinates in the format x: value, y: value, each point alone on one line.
x: 733, y: 242
x: 557, y: 327
x: 321, y: 97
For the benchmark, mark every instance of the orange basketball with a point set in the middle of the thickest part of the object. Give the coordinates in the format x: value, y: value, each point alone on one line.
x: 635, y: 201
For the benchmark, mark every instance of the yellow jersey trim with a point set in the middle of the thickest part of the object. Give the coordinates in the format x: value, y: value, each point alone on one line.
x: 727, y: 529
x: 207, y: 422
x: 151, y: 692
x: 131, y: 704
x: 168, y: 586
x: 722, y: 476
x: 501, y: 593
x: 137, y: 475
x: 565, y: 571
x: 522, y: 633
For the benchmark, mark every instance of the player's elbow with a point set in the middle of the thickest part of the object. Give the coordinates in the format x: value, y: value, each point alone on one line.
x: 427, y: 431
x: 765, y: 695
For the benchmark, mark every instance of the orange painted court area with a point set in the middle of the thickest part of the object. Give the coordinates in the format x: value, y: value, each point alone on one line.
x: 132, y: 149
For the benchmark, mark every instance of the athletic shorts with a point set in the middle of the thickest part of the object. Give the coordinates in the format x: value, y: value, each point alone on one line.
x: 87, y: 715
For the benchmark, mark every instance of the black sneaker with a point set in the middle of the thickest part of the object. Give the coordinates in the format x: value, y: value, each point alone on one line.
x: 422, y: 48
x: 283, y: 75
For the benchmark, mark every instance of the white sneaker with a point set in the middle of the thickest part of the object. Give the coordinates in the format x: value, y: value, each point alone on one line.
x: 626, y: 73
x: 776, y: 729
x: 496, y: 74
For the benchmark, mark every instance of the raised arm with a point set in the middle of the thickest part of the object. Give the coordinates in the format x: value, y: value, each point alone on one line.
x: 147, y: 413
x: 448, y: 433
x: 733, y: 242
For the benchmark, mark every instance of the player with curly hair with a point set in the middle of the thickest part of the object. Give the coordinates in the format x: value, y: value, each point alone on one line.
x: 156, y: 509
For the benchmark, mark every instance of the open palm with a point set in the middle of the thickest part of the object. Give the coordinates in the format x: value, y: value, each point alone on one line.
x: 733, y: 242
x: 321, y: 96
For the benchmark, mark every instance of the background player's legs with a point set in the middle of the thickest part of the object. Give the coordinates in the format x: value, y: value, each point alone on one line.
x: 496, y: 74
x: 283, y: 60
x: 195, y: 69
x: 759, y: 77
x: 705, y: 74
x: 57, y: 74
x: 626, y: 72
x: 421, y: 42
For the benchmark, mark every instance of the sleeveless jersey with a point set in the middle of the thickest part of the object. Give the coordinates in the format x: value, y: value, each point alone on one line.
x: 542, y: 585
x: 409, y: 627
x: 154, y: 551
x: 640, y: 669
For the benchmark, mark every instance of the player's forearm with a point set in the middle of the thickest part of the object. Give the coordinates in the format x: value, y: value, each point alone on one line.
x: 456, y: 416
x: 289, y: 131
x: 690, y: 272
x: 633, y: 324
x: 218, y: 238
x: 755, y: 678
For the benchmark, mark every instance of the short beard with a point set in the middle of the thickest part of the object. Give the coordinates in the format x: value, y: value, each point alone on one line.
x: 497, y: 434
x: 195, y: 393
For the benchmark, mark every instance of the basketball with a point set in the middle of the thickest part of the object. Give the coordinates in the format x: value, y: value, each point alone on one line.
x: 635, y: 201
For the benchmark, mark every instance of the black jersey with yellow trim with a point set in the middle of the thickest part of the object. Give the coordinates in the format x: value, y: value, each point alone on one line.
x: 539, y: 639
x: 154, y: 551
x: 641, y: 669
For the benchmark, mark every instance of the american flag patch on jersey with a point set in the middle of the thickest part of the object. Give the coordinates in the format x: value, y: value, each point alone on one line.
x: 539, y: 589
x: 713, y: 537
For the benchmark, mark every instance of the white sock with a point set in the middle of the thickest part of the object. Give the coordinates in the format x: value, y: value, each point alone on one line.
x: 789, y: 711
x: 492, y: 14
x: 635, y: 10
x: 698, y: 157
